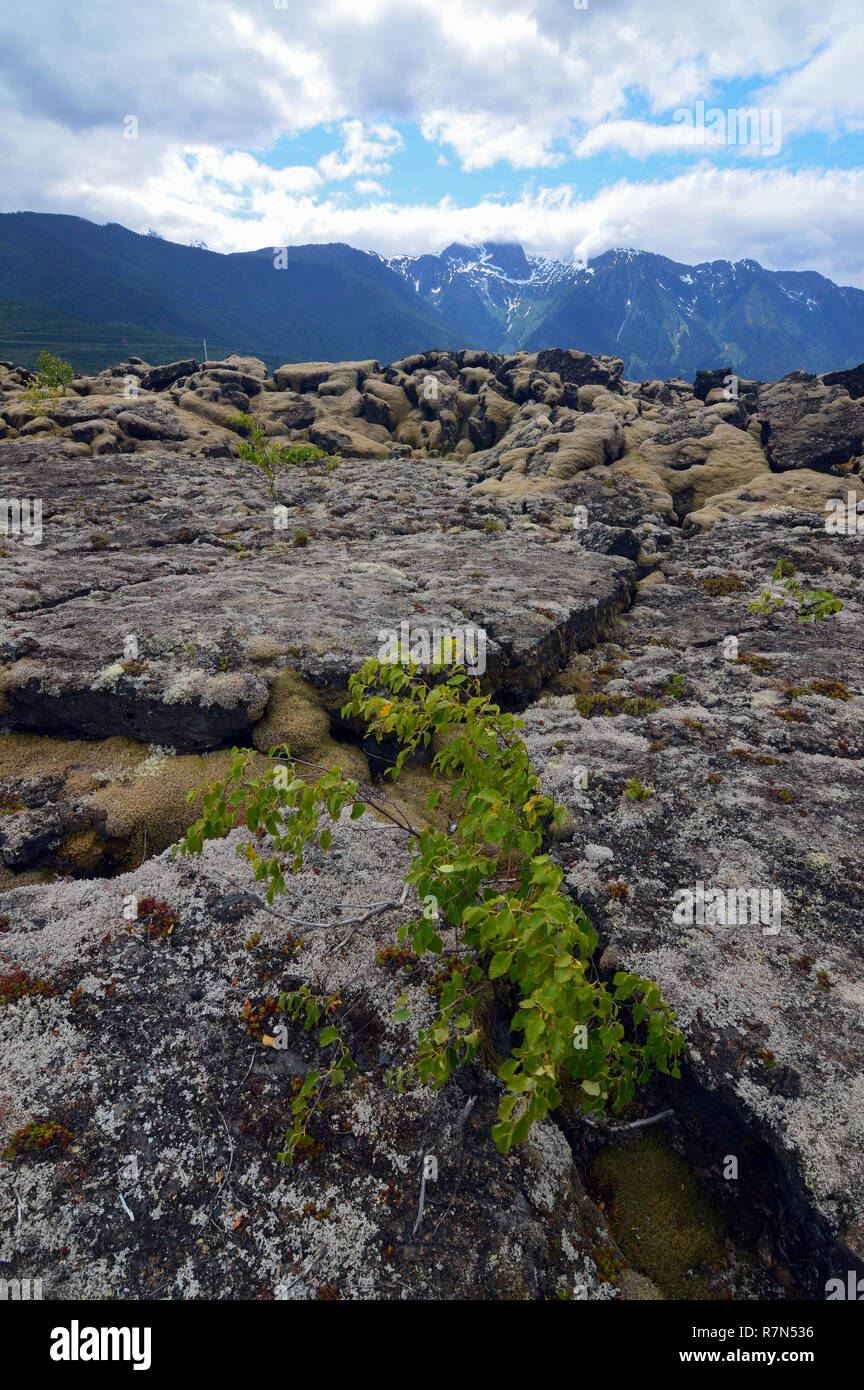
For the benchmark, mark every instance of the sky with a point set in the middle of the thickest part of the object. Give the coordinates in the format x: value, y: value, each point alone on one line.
x: 398, y: 126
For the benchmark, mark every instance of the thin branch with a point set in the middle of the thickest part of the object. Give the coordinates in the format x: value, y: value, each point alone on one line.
x: 356, y: 922
x: 303, y: 1272
x: 418, y: 1223
x: 460, y: 1122
x: 374, y: 910
x: 636, y: 1124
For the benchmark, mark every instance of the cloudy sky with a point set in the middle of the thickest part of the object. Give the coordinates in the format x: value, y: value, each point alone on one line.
x: 402, y: 125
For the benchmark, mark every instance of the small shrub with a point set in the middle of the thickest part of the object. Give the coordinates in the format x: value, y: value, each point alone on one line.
x: 758, y: 664
x: 764, y: 759
x: 832, y: 690
x: 521, y: 926
x: 133, y: 667
x: 397, y: 957
x: 159, y: 919
x: 38, y: 1134
x: 53, y: 375
x: 17, y: 984
x: 271, y: 458
x: 600, y: 703
x: 634, y: 789
x: 813, y: 605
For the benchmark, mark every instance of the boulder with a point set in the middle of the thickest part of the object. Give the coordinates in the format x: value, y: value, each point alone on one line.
x: 160, y: 378
x: 808, y: 424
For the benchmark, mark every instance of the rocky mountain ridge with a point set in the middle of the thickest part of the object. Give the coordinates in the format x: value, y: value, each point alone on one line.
x: 101, y: 293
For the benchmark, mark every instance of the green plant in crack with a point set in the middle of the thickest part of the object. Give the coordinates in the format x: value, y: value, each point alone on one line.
x: 814, y: 605
x: 491, y: 885
x: 636, y: 791
x: 271, y: 458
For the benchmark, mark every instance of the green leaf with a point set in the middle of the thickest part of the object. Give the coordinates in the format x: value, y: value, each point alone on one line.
x: 501, y: 962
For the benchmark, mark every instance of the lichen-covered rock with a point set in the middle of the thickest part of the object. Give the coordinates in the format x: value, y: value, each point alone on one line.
x: 743, y: 733
x: 152, y: 1053
x: 808, y: 424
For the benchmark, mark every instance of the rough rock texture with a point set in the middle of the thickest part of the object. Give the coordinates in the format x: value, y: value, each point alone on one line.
x: 754, y: 766
x: 176, y: 1114
x: 808, y: 424
x: 184, y: 557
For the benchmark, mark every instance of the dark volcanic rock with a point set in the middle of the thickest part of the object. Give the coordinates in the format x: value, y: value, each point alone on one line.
x: 807, y: 424
x: 851, y: 380
x: 159, y: 378
x: 157, y: 556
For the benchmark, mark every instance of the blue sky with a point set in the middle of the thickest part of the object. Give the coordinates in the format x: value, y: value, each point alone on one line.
x: 401, y: 125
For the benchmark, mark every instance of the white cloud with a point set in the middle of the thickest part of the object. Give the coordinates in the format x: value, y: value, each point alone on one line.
x: 365, y: 150
x: 638, y: 138
x: 513, y: 81
x: 827, y: 92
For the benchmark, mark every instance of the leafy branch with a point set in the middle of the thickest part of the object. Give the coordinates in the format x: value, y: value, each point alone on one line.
x: 489, y: 882
x: 813, y: 606
x: 271, y: 458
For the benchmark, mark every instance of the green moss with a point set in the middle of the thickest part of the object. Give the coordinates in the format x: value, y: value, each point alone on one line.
x: 725, y: 584
x: 664, y: 1223
x: 590, y: 705
x: 833, y: 690
x: 760, y: 664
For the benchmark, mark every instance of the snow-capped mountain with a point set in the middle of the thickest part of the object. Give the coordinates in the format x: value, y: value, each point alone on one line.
x: 97, y: 294
x: 663, y: 317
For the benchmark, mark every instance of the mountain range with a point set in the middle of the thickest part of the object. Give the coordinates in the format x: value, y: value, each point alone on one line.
x: 101, y: 293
